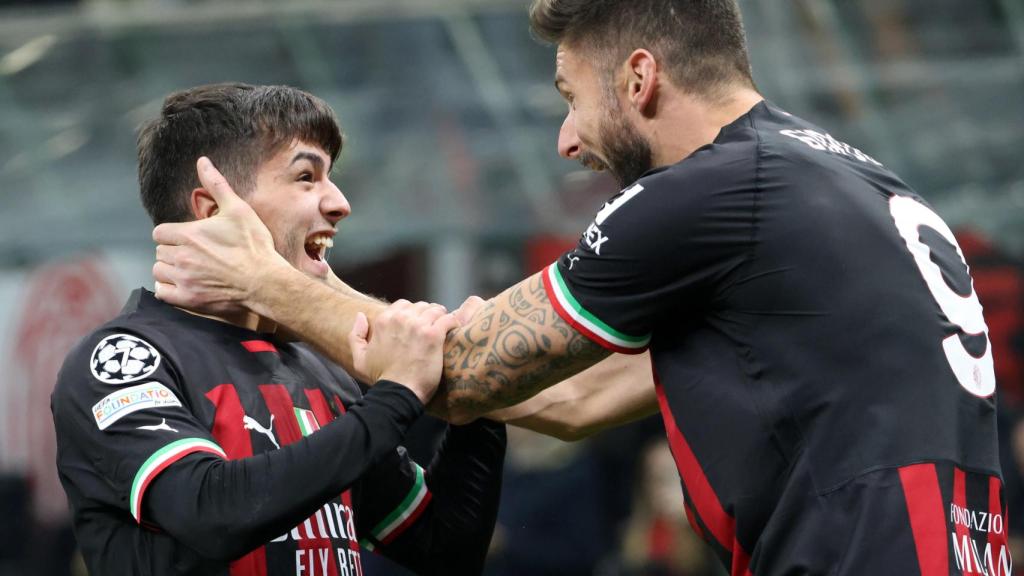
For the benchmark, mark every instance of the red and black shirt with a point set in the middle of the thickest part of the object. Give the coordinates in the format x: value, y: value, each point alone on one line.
x: 820, y: 355
x: 191, y: 446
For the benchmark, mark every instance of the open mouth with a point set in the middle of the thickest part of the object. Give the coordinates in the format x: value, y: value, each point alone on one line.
x: 317, y: 245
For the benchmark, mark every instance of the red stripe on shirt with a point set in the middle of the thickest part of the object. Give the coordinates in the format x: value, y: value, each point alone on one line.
x: 318, y: 404
x: 322, y: 412
x: 346, y: 497
x: 339, y: 404
x: 963, y: 533
x: 997, y: 540
x: 408, y: 521
x: 236, y: 442
x: 156, y: 472
x: 719, y: 523
x: 280, y: 404
x: 564, y: 314
x: 927, y: 521
x: 259, y: 346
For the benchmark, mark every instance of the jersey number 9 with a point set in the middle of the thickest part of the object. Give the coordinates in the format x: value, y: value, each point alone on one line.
x: 961, y: 307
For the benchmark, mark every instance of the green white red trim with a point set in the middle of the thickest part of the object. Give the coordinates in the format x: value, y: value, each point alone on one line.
x: 161, y: 459
x: 586, y: 323
x: 406, y: 513
x: 307, y: 421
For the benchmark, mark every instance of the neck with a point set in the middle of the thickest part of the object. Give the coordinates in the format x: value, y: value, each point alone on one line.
x: 242, y: 319
x: 690, y: 122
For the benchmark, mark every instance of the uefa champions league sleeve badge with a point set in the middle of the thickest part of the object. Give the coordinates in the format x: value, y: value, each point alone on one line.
x: 123, y: 358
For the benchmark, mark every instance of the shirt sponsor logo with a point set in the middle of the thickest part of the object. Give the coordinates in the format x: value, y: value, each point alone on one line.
x: 594, y: 238
x: 119, y: 404
x: 123, y: 358
x: 334, y: 523
x: 826, y: 142
x: 971, y: 557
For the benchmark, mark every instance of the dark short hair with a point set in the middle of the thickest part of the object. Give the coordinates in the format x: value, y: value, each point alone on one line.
x: 701, y: 43
x: 238, y: 126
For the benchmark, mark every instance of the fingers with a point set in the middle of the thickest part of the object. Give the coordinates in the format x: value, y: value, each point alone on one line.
x: 447, y: 322
x: 469, y: 308
x: 215, y: 183
x: 170, y: 233
x: 428, y: 313
x: 163, y: 273
x: 164, y: 291
x: 166, y: 253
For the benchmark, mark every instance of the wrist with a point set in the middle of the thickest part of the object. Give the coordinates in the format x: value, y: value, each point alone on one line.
x: 422, y: 390
x: 270, y: 280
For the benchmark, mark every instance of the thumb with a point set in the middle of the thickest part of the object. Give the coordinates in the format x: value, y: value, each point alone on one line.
x: 360, y: 331
x: 469, y: 309
x: 357, y: 343
x: 216, y: 183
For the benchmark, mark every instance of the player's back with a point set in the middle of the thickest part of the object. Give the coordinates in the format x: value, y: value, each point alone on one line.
x: 831, y: 402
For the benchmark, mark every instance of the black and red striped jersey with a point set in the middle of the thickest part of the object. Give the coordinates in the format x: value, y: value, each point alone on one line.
x: 191, y: 446
x: 820, y: 355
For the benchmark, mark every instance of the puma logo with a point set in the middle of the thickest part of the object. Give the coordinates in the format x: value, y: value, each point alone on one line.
x: 161, y: 426
x: 249, y: 423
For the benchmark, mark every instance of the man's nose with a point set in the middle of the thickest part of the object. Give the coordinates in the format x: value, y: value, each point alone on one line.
x: 334, y: 205
x: 568, y: 139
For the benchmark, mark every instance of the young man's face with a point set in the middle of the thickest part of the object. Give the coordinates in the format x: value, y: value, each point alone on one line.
x: 595, y: 130
x: 300, y: 205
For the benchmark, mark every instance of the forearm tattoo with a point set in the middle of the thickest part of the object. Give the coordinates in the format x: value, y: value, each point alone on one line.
x: 516, y: 346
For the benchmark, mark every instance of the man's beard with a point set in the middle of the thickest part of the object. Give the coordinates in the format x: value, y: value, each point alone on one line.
x: 628, y: 153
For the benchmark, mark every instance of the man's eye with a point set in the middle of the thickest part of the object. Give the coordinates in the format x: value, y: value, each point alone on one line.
x: 306, y: 177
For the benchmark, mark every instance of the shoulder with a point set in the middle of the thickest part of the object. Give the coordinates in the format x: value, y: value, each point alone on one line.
x: 129, y: 348
x: 113, y: 355
x: 725, y: 167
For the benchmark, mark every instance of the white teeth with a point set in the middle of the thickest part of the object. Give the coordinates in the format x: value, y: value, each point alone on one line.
x: 322, y: 241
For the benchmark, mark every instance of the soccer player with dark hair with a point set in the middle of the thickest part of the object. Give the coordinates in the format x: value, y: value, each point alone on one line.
x: 819, y: 354
x: 192, y: 444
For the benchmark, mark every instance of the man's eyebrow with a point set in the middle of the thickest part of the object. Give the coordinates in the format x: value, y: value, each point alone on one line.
x: 318, y: 162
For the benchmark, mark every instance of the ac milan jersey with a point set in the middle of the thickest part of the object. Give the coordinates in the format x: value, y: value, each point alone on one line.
x: 152, y: 409
x: 819, y: 353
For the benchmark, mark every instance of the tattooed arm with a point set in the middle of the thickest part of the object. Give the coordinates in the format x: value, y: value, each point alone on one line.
x: 613, y: 392
x: 516, y: 346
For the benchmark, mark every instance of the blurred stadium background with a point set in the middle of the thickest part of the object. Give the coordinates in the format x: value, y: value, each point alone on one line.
x: 451, y: 170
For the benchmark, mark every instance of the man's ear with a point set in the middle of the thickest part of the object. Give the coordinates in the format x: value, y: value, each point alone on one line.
x: 202, y: 203
x: 642, y: 80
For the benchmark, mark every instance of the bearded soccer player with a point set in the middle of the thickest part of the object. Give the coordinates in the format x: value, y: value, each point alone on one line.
x: 192, y: 444
x: 819, y: 354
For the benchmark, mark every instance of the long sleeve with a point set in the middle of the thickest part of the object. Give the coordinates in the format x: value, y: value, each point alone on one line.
x: 443, y: 522
x: 223, y: 508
